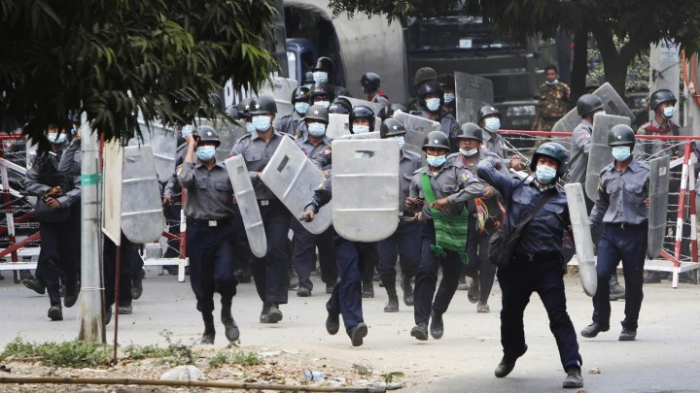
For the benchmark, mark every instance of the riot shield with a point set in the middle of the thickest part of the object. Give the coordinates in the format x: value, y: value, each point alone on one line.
x: 292, y: 177
x: 375, y: 107
x: 363, y: 136
x: 600, y: 154
x: 281, y: 89
x: 337, y: 125
x: 612, y: 102
x: 416, y: 129
x: 472, y: 92
x: 142, y: 210
x: 247, y: 204
x: 658, y: 204
x: 582, y: 237
x: 365, y: 189
x: 163, y: 143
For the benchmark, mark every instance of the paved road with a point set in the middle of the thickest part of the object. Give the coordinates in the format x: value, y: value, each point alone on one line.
x: 663, y: 359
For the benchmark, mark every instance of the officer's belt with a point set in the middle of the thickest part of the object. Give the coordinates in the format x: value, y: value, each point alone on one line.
x: 624, y: 225
x: 536, y: 257
x: 208, y: 223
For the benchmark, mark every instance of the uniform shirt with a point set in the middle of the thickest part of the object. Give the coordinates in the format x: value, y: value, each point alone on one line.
x: 545, y: 231
x: 257, y: 153
x: 554, y: 100
x: 459, y: 159
x: 448, y: 123
x: 323, y: 160
x: 290, y: 124
x: 380, y: 98
x: 409, y: 163
x: 65, y: 161
x: 209, y: 192
x: 497, y: 145
x: 658, y: 148
x: 312, y: 150
x: 172, y: 187
x: 580, y: 148
x: 621, y: 195
x: 451, y: 181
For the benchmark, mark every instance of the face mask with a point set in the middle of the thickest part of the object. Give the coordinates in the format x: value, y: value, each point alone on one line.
x: 449, y: 97
x: 317, y: 129
x: 261, y: 123
x: 621, y: 153
x: 187, y: 131
x: 324, y: 104
x: 360, y: 129
x: 545, y: 174
x: 469, y: 153
x: 552, y: 83
x: 56, y: 138
x: 205, y: 153
x: 669, y: 111
x: 432, y: 104
x: 492, y: 124
x: 301, y: 107
x: 320, y: 77
x: 436, y: 161
x: 249, y: 127
x: 401, y: 141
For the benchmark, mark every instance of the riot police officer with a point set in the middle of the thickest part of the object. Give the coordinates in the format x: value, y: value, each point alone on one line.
x: 270, y: 273
x: 305, y: 242
x: 322, y: 94
x: 405, y: 242
x: 537, y: 264
x: 371, y: 84
x: 439, y: 191
x: 324, y: 72
x: 490, y: 121
x: 622, y: 209
x: 361, y: 120
x: 209, y: 211
x: 430, y: 98
x: 447, y: 82
x: 340, y: 105
x: 293, y: 123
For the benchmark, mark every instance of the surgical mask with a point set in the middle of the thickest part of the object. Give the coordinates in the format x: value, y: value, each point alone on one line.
x: 433, y: 104
x: 436, y: 161
x: 552, y: 83
x: 301, y: 107
x: 205, y: 153
x: 470, y: 152
x: 187, y: 131
x: 324, y: 104
x: 320, y: 77
x: 621, y: 153
x: 56, y: 138
x: 449, y: 97
x: 317, y: 129
x: 669, y: 111
x: 249, y: 127
x: 262, y: 123
x: 360, y: 129
x: 401, y: 141
x: 492, y: 124
x: 545, y: 174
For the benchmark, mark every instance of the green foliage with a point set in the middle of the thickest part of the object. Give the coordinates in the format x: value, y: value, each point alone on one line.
x: 399, y: 9
x: 218, y: 360
x: 389, y: 377
x: 239, y: 357
x: 637, y: 71
x: 75, y: 354
x: 138, y: 352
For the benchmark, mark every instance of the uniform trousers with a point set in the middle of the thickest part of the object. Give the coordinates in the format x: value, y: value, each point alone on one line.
x: 304, y: 249
x: 60, y: 253
x: 130, y: 265
x: 271, y: 273
x: 479, y: 266
x: 404, y: 243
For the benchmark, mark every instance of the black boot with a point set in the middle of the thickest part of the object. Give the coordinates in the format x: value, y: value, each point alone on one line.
x: 368, y: 290
x: 137, y: 284
x: 55, y: 312
x: 407, y: 290
x: 35, y: 285
x: 617, y: 291
x: 209, y: 330
x: 232, y: 332
x: 72, y: 292
x: 393, y: 305
x: 437, y: 328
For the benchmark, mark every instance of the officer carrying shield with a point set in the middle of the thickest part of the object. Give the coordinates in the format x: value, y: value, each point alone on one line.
x: 622, y: 209
x: 430, y: 97
x: 490, y: 121
x: 439, y: 191
x: 270, y: 273
x: 210, y: 232
x: 371, y: 86
x: 324, y: 72
x: 405, y: 242
x: 293, y: 123
x: 447, y: 82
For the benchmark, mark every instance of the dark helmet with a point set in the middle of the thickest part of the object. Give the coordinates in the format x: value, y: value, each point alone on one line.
x: 587, y: 104
x: 322, y: 89
x: 301, y: 94
x: 661, y: 96
x: 621, y: 135
x: 391, y: 127
x: 446, y: 80
x: 470, y: 131
x: 370, y: 82
x: 592, y: 83
x: 423, y: 75
x: 551, y: 150
x: 318, y: 113
x: 244, y: 108
x: 397, y: 106
x: 264, y: 105
x: 340, y: 105
x: 324, y: 64
x: 488, y: 110
x: 430, y: 87
x: 361, y: 112
x: 308, y: 78
x: 436, y: 139
x: 208, y: 134
x: 232, y: 112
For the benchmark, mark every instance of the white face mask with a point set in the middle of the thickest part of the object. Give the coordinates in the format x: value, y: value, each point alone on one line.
x: 320, y: 76
x: 469, y: 152
x: 401, y: 141
x: 492, y: 124
x: 324, y: 104
x: 357, y: 129
x: 669, y: 111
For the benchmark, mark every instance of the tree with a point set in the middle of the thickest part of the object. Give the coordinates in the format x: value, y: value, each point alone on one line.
x: 116, y: 59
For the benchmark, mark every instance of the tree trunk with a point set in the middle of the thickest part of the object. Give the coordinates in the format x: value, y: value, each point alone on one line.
x: 614, y: 64
x: 579, y: 68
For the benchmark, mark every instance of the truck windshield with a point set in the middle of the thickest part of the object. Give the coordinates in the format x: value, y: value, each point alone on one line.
x: 457, y: 32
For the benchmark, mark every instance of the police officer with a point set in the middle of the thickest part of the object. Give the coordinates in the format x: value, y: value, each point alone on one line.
x: 430, y: 97
x: 447, y: 82
x: 490, y: 120
x: 405, y: 242
x: 422, y: 75
x: 537, y: 264
x: 439, y: 190
x: 371, y: 87
x: 292, y: 124
x: 554, y: 100
x: 305, y: 242
x: 54, y: 177
x: 172, y: 199
x: 324, y: 72
x: 592, y: 84
x: 209, y: 211
x: 270, y: 273
x: 130, y: 264
x: 622, y: 209
x: 485, y: 215
x: 322, y: 94
x: 340, y: 105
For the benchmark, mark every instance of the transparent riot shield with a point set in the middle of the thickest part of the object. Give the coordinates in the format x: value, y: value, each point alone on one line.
x: 281, y: 89
x: 247, y: 204
x: 163, y: 143
x: 612, y: 102
x: 142, y: 210
x: 582, y: 237
x: 292, y: 177
x: 365, y: 189
x: 338, y: 125
x: 363, y: 136
x: 375, y: 107
x: 600, y: 154
x: 658, y: 204
x: 472, y: 92
x: 416, y: 129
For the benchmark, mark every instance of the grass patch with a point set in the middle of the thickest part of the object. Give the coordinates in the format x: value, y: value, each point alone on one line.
x: 138, y: 352
x: 363, y: 370
x: 240, y: 357
x: 75, y: 354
